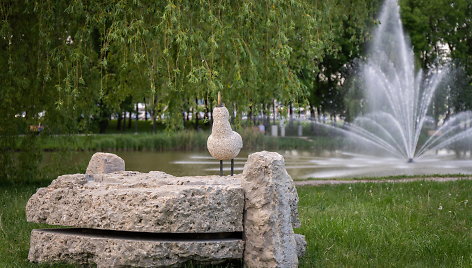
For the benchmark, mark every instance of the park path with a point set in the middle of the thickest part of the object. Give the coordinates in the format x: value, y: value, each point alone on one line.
x: 336, y: 182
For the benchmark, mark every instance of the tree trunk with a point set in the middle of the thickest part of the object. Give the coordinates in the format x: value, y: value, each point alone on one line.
x: 196, y: 114
x: 267, y: 115
x: 273, y: 111
x: 318, y: 110
x: 137, y: 118
x: 154, y: 106
x: 261, y: 115
x: 104, y: 117
x: 312, y: 112
x: 249, y: 116
x: 123, y: 125
x: 211, y: 112
x: 130, y: 120
x: 145, y: 110
x: 206, y: 109
x: 118, y: 122
x: 102, y: 125
x: 154, y: 123
x: 290, y: 111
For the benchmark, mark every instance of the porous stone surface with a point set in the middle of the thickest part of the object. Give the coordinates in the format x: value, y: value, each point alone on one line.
x: 301, y: 245
x: 106, y: 251
x: 223, y: 143
x: 142, y: 202
x: 105, y: 163
x: 270, y: 213
x: 262, y: 203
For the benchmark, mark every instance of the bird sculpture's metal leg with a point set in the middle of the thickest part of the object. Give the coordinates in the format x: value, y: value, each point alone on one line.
x: 232, y: 167
x: 221, y: 167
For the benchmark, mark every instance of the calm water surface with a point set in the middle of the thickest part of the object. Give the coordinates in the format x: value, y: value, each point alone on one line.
x: 299, y: 164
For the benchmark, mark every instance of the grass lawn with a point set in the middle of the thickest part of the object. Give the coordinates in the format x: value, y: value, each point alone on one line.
x: 418, y: 224
x: 14, y: 230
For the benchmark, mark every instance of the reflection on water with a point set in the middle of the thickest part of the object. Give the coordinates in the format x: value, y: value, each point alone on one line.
x: 201, y: 163
x: 299, y: 164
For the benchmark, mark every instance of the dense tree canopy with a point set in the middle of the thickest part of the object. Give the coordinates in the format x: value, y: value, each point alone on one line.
x: 441, y: 32
x: 70, y: 65
x: 79, y: 61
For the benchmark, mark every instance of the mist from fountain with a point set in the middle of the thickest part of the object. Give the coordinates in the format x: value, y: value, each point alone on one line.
x: 399, y: 97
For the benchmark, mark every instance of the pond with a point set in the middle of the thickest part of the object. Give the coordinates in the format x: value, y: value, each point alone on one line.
x: 299, y: 164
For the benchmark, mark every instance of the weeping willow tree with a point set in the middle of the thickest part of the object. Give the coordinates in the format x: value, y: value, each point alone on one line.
x: 190, y: 50
x: 69, y: 64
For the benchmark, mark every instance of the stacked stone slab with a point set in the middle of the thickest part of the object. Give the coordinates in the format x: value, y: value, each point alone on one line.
x: 53, y: 245
x: 134, y: 219
x: 140, y: 202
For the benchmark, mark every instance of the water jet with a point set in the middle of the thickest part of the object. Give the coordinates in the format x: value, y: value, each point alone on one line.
x: 398, y: 97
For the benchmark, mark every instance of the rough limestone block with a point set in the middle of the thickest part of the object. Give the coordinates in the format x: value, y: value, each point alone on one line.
x: 105, y: 163
x: 142, y: 202
x: 108, y: 251
x: 301, y: 245
x: 270, y: 213
x: 159, y: 205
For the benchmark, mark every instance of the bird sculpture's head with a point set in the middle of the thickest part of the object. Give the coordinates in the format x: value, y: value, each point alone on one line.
x: 220, y: 113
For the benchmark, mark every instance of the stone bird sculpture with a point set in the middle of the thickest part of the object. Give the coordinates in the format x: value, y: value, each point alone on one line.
x: 223, y: 143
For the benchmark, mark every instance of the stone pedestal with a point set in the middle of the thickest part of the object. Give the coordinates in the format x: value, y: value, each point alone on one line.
x: 154, y: 219
x: 274, y: 130
x: 300, y: 130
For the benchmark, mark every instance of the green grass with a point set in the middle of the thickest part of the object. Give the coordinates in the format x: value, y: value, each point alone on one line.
x: 358, y: 225
x: 14, y: 230
x: 417, y: 224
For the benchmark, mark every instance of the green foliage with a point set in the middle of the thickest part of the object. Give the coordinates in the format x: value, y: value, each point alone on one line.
x: 70, y: 65
x: 441, y: 31
x: 82, y: 59
x: 343, y: 35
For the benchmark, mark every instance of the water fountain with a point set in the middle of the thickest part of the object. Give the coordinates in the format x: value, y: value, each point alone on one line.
x: 398, y: 97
